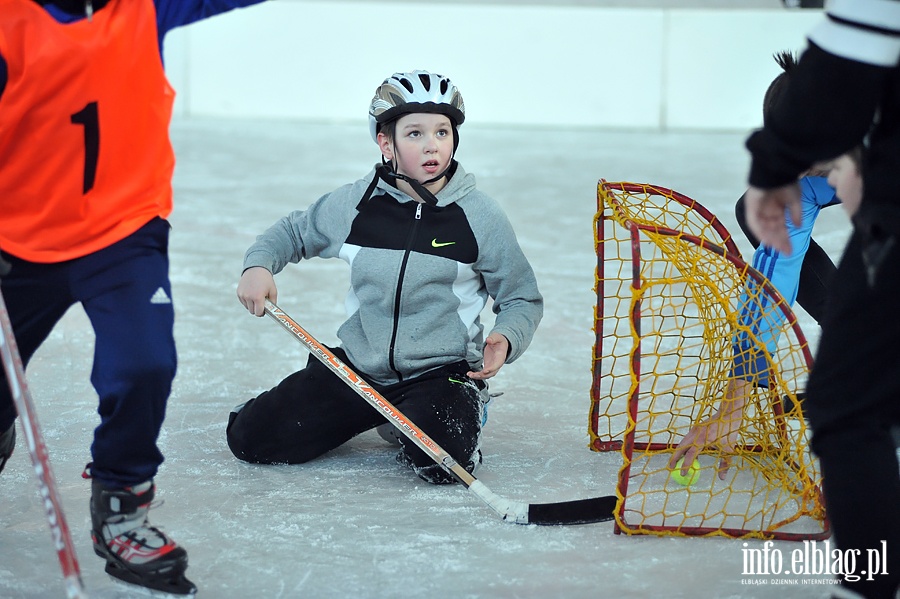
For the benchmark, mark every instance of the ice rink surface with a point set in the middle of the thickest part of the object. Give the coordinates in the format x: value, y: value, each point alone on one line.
x: 353, y: 523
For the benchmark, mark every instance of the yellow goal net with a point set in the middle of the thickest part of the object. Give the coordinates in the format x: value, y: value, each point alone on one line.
x: 673, y: 295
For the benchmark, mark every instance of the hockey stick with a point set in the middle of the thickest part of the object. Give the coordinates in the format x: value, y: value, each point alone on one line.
x: 580, y: 511
x: 15, y: 375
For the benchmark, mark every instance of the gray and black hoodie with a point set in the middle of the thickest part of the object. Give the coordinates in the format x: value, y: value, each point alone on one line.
x: 420, y: 274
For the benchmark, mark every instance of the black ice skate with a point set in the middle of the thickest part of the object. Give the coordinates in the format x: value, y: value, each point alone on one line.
x: 7, y: 444
x: 136, y: 552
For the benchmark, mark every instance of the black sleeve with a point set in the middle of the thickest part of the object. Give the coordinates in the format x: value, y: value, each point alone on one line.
x: 827, y: 109
x: 815, y: 275
x: 740, y: 213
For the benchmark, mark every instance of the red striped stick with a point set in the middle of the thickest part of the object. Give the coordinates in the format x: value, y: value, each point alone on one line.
x: 15, y: 376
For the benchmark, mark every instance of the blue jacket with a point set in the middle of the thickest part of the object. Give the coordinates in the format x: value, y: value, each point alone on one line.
x: 762, y: 319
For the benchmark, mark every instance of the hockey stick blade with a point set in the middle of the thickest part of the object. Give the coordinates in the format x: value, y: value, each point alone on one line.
x: 580, y: 511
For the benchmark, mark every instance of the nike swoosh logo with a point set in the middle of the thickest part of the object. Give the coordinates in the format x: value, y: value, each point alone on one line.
x: 436, y: 244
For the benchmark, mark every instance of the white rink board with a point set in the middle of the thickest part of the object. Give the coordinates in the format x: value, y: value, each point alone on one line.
x: 541, y: 65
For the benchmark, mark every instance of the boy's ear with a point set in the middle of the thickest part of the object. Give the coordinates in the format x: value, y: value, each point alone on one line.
x: 387, y: 149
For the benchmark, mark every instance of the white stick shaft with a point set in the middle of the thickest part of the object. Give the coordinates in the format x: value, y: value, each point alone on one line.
x: 514, y: 511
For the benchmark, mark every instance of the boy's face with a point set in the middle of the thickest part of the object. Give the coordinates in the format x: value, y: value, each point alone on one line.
x: 847, y: 183
x: 422, y: 146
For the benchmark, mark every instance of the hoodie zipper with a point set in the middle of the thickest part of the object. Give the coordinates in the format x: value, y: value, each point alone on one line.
x: 396, y: 324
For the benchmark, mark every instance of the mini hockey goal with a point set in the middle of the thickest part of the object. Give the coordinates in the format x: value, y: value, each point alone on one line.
x: 670, y: 282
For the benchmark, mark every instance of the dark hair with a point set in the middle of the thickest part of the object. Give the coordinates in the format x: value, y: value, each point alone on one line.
x: 787, y: 61
x: 389, y: 128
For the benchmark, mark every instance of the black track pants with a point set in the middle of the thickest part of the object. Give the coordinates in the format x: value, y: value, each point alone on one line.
x: 313, y: 411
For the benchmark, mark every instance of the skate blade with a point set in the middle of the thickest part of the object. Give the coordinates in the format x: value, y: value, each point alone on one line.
x: 185, y: 588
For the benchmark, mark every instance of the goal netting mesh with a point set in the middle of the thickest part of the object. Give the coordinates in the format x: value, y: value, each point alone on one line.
x: 670, y: 286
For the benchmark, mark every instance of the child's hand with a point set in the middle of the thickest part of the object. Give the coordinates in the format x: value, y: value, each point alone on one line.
x: 719, y: 431
x: 496, y: 348
x: 255, y: 286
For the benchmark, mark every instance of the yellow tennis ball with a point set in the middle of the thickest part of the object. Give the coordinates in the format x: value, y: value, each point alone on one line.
x: 692, y: 475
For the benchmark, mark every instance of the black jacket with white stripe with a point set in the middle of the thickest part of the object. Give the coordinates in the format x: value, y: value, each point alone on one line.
x: 845, y: 89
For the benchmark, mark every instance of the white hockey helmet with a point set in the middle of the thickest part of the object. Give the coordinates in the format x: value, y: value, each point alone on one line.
x: 417, y: 91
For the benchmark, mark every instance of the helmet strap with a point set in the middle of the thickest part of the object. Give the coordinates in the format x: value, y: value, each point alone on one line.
x: 419, y: 187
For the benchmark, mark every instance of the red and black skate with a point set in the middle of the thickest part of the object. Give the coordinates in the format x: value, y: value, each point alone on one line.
x: 135, y: 552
